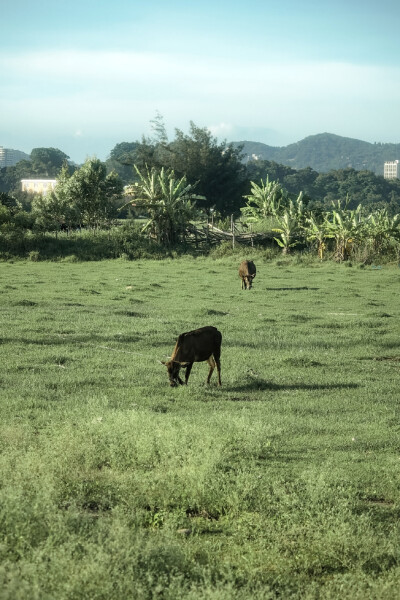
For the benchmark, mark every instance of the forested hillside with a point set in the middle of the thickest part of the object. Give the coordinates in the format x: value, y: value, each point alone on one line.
x: 325, y: 152
x: 321, y: 189
x: 222, y: 173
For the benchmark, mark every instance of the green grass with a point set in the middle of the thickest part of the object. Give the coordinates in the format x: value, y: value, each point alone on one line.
x: 284, y: 483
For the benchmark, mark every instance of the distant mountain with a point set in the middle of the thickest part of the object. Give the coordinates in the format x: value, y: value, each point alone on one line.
x: 325, y: 152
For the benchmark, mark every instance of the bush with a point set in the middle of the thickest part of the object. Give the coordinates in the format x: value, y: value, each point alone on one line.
x: 71, y: 258
x: 84, y: 245
x: 226, y: 249
x: 34, y: 255
x: 271, y: 253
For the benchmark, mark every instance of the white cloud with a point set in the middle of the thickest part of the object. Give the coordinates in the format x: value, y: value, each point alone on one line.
x: 108, y: 94
x: 131, y: 70
x: 221, y: 130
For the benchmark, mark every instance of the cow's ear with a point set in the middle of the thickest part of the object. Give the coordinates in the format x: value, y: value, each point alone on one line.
x: 162, y: 362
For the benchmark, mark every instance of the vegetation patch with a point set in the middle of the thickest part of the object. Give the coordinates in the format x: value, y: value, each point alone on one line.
x: 26, y: 303
x: 283, y: 483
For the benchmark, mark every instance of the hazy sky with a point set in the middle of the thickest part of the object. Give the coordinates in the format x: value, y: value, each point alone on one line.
x: 84, y: 75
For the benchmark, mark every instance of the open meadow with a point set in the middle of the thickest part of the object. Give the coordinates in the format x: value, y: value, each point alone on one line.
x: 284, y: 483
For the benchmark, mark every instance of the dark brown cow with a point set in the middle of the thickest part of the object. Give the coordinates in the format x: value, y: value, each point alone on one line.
x: 247, y: 272
x: 195, y: 346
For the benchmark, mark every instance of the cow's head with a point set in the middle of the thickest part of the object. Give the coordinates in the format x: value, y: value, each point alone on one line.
x: 250, y: 281
x: 173, y: 368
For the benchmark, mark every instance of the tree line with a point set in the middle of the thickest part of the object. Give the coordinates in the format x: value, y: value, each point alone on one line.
x: 342, y: 231
x: 216, y: 168
x: 174, y: 183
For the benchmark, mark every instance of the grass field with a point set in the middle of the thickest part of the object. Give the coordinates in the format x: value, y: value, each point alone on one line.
x: 284, y: 483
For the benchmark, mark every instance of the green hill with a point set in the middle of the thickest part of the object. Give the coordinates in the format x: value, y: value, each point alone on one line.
x: 325, y: 152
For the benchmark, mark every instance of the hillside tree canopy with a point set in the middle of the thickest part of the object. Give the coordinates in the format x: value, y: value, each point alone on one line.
x: 215, y: 168
x: 47, y: 161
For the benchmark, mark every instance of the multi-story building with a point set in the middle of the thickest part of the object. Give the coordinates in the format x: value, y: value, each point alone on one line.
x: 10, y: 157
x: 38, y: 186
x: 391, y: 169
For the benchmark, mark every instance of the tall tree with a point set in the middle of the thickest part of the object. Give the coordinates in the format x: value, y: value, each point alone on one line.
x: 47, y: 162
x: 56, y: 209
x: 159, y: 129
x: 93, y: 193
x: 217, y: 167
x: 122, y: 158
x: 122, y: 150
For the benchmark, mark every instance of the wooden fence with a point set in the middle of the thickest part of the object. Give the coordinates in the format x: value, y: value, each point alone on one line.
x: 206, y: 236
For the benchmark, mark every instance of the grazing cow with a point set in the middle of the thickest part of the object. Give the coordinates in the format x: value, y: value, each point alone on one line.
x: 247, y: 272
x: 195, y: 346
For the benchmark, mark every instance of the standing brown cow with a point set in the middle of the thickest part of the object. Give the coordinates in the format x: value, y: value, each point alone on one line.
x: 195, y: 346
x: 247, y: 272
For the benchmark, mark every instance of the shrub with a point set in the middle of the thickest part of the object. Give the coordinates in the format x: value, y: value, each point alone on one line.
x: 71, y: 258
x: 226, y: 249
x: 271, y: 253
x: 34, y: 255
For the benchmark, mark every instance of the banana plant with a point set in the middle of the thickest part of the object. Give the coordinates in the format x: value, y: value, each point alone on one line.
x: 381, y: 230
x: 317, y: 231
x: 168, y: 201
x: 346, y: 227
x: 265, y: 200
x: 288, y: 228
x: 290, y: 223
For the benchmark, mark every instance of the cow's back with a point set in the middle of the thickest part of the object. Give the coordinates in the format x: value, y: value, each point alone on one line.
x: 198, y: 345
x: 247, y: 267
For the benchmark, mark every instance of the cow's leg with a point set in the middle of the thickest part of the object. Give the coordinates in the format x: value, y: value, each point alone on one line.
x: 188, y: 369
x: 178, y: 378
x: 211, y: 362
x: 218, y: 363
x: 217, y: 355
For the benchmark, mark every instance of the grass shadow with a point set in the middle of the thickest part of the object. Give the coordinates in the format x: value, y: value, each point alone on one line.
x: 291, y: 289
x: 76, y: 340
x: 129, y: 313
x: 261, y: 385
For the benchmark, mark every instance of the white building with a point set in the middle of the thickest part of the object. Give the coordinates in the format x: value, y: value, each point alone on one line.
x: 391, y: 169
x: 10, y: 157
x: 38, y: 186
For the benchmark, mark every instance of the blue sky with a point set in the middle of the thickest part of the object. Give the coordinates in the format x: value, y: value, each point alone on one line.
x: 85, y: 75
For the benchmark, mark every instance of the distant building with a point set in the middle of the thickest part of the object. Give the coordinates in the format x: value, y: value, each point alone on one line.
x: 251, y: 157
x: 38, y: 186
x: 391, y: 169
x: 10, y: 157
